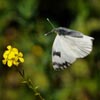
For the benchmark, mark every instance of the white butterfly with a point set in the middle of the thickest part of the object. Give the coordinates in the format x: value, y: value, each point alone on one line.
x: 68, y: 46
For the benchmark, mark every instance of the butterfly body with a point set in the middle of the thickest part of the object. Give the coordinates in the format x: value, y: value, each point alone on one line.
x: 64, y: 31
x: 68, y: 46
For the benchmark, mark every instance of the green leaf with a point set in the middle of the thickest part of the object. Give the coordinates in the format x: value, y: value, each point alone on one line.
x: 27, y: 8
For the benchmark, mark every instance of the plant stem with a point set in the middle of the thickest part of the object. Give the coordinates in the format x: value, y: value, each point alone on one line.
x: 29, y: 84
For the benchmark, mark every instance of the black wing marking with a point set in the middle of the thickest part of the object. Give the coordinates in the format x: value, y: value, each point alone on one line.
x: 61, y: 65
x: 55, y: 53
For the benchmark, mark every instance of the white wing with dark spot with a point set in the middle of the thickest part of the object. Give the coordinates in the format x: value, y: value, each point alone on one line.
x: 67, y: 49
x: 65, y: 58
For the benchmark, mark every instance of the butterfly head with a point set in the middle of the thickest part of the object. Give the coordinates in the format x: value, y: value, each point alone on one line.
x: 59, y: 30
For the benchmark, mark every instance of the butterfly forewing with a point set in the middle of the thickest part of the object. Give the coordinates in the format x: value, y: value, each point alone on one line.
x: 61, y: 55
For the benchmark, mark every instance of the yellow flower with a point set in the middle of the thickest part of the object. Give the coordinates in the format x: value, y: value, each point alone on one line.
x: 12, y: 57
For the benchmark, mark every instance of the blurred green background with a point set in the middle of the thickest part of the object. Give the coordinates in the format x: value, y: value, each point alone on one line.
x: 23, y: 25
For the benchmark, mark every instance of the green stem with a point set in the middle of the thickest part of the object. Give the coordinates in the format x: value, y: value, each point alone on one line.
x: 21, y: 73
x: 30, y: 84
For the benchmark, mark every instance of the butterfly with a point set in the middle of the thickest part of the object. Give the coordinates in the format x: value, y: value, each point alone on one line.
x: 68, y: 46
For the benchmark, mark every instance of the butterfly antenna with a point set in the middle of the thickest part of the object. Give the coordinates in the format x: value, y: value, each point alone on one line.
x: 51, y: 25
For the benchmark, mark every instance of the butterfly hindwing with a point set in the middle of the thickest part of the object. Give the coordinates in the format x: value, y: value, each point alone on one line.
x: 80, y: 47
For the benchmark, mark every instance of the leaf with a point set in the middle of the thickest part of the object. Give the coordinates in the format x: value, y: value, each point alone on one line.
x: 27, y: 8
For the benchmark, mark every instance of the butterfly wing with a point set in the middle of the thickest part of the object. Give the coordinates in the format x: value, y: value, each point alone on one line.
x: 80, y: 47
x: 62, y: 56
x: 67, y: 49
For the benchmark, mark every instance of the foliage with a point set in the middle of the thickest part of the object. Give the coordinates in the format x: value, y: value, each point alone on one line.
x: 23, y: 25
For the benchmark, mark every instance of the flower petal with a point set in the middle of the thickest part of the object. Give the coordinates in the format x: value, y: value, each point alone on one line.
x: 20, y: 54
x: 15, y: 50
x: 5, y: 54
x: 16, y: 63
x: 9, y: 63
x: 21, y: 60
x: 9, y: 47
x: 16, y: 58
x: 4, y: 61
x: 11, y: 55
